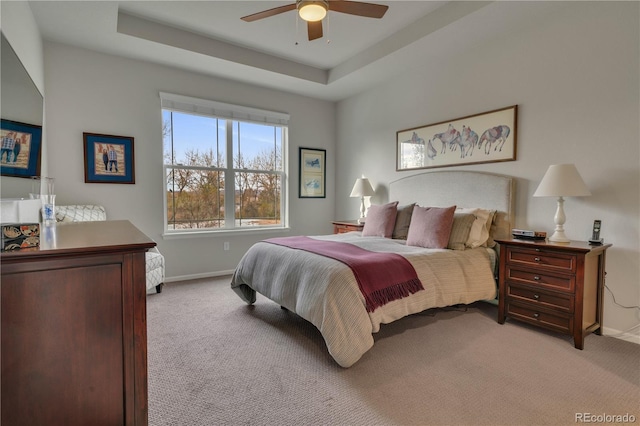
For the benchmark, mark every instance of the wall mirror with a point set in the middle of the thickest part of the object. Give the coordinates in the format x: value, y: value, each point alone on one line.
x: 20, y: 101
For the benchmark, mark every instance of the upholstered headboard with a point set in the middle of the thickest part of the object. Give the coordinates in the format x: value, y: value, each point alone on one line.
x: 463, y: 189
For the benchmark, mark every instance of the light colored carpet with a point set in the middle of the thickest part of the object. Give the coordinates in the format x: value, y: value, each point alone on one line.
x: 213, y: 360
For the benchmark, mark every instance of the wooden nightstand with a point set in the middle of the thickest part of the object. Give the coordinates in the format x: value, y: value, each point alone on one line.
x: 342, y: 226
x: 555, y: 286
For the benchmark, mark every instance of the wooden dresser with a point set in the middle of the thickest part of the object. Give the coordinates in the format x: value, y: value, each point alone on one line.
x: 342, y: 226
x: 555, y: 286
x: 74, y: 332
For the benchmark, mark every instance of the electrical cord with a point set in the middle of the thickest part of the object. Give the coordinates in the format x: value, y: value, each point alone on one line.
x: 616, y: 302
x: 626, y: 332
x: 629, y: 330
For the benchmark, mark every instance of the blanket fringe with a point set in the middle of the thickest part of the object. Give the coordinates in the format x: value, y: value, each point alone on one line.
x: 397, y: 291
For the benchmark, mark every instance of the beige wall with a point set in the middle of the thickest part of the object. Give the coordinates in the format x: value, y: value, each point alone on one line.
x: 97, y: 93
x: 574, y: 74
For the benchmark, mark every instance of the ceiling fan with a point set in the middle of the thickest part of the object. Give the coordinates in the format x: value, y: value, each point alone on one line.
x: 314, y: 12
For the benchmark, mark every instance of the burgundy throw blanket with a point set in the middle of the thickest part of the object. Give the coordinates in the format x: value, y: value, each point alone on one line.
x: 382, y: 277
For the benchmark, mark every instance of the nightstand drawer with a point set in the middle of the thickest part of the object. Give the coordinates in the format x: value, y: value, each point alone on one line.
x: 559, y: 301
x: 552, y: 285
x: 558, y: 282
x: 533, y: 315
x: 552, y: 261
x: 340, y: 227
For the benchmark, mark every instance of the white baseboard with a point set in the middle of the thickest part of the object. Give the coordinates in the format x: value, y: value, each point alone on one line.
x: 622, y: 335
x: 198, y: 276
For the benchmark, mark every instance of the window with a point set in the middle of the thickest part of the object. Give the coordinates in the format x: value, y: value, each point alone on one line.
x: 224, y: 166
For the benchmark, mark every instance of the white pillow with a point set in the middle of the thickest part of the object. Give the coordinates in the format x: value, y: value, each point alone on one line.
x: 479, y: 234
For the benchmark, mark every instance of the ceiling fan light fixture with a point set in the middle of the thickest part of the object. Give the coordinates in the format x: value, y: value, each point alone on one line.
x: 312, y: 11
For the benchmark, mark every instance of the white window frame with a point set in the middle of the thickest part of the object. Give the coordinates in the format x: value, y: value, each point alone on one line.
x: 231, y: 113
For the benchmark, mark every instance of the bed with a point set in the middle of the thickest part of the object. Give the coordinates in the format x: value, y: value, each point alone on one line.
x: 325, y: 291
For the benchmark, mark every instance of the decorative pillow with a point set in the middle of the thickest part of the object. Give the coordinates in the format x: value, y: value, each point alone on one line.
x: 479, y: 233
x: 403, y: 219
x: 492, y: 229
x: 380, y: 220
x: 460, y: 230
x: 430, y: 226
x: 80, y: 213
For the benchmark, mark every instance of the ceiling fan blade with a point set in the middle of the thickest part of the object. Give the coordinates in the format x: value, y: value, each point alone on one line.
x: 268, y: 13
x: 368, y: 10
x: 314, y: 29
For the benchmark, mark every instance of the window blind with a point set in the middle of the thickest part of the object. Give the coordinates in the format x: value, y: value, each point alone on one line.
x: 206, y: 107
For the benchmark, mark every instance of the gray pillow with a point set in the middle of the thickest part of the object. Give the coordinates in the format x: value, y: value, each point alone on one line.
x: 403, y: 219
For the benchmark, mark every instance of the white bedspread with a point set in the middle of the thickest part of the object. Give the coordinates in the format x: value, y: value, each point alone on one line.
x: 324, y: 291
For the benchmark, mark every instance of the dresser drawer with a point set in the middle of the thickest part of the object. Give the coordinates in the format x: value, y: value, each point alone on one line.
x: 540, y: 259
x: 545, y: 318
x: 534, y: 296
x: 553, y: 282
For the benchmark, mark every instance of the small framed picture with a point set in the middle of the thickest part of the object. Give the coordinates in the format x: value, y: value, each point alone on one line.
x: 312, y: 173
x: 21, y: 148
x: 108, y: 159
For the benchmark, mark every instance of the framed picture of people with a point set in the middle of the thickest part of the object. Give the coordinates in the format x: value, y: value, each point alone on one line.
x: 21, y: 148
x: 108, y: 159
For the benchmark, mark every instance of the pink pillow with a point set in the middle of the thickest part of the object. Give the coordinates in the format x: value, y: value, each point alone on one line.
x: 380, y: 220
x: 430, y: 226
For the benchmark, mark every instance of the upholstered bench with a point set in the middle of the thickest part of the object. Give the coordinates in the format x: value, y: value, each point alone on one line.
x: 89, y: 212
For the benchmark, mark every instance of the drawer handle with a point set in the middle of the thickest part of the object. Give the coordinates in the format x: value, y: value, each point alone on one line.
x: 536, y: 315
x: 537, y: 249
x: 537, y: 259
x: 535, y: 296
x: 536, y: 278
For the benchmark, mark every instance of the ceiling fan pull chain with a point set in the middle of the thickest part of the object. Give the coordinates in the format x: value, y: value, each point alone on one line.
x: 297, y: 20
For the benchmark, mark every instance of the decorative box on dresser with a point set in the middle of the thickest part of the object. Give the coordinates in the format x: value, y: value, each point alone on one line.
x: 557, y: 286
x: 74, y: 331
x: 342, y: 226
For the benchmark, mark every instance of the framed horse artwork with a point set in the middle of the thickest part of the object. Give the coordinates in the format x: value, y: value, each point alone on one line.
x: 487, y: 137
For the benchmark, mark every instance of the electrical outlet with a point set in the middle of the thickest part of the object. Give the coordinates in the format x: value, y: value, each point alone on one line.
x: 226, y: 246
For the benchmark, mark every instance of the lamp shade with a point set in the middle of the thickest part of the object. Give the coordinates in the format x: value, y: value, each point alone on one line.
x: 562, y: 180
x: 362, y: 188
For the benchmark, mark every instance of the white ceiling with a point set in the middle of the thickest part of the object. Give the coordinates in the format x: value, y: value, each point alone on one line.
x: 209, y: 37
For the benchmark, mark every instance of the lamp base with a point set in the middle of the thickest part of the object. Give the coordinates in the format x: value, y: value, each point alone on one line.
x: 559, y: 237
x: 363, y: 210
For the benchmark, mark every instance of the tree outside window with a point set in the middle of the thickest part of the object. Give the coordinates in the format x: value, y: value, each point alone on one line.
x: 207, y: 158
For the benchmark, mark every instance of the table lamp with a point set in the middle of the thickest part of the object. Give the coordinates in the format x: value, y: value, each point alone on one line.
x: 561, y: 180
x: 362, y: 188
